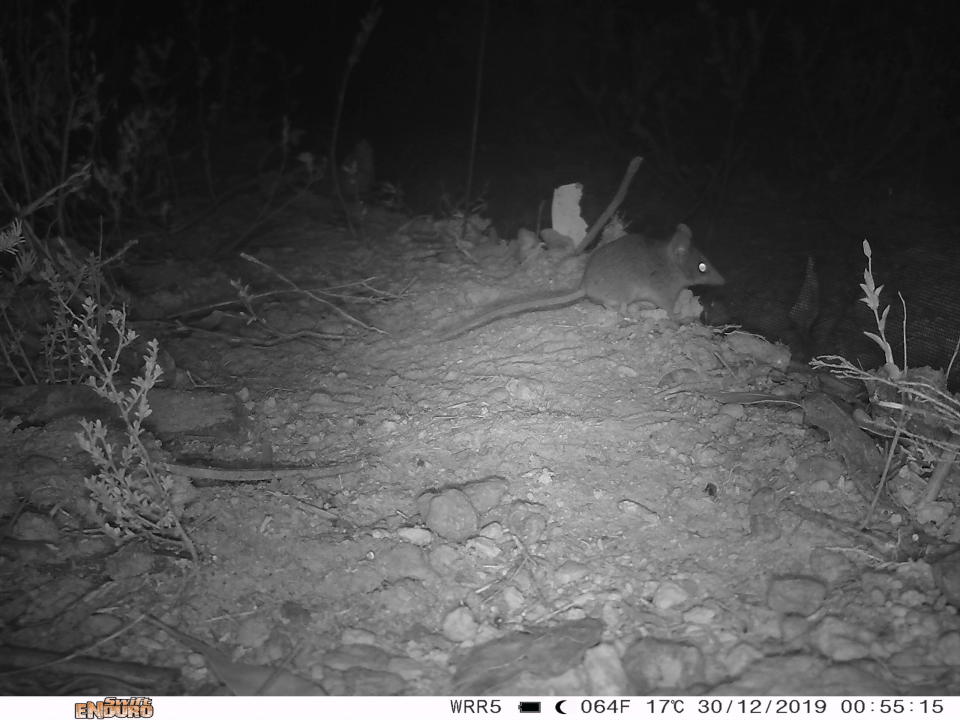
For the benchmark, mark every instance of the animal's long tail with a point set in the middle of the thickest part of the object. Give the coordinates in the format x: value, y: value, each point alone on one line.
x: 513, y: 307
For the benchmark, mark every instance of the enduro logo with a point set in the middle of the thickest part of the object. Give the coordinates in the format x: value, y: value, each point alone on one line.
x: 113, y: 707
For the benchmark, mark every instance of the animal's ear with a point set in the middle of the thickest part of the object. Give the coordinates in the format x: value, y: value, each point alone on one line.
x: 680, y: 242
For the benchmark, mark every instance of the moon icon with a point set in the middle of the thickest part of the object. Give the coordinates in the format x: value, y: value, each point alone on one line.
x: 559, y: 707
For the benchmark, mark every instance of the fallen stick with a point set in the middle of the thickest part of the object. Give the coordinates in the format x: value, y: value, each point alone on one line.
x: 612, y: 207
x: 253, y: 475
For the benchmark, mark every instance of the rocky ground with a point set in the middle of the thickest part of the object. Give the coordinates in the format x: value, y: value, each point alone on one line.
x: 566, y: 502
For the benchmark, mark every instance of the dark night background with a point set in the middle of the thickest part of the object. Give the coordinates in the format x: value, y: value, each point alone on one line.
x: 712, y: 93
x: 761, y: 124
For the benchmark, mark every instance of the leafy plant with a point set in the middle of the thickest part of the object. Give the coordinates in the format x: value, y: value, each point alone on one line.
x: 15, y: 355
x: 41, y: 285
x: 130, y: 494
x: 910, y: 406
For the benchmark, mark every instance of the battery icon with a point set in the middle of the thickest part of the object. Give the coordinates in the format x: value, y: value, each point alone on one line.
x: 529, y: 706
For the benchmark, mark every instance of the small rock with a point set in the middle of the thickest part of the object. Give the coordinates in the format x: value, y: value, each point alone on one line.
x: 739, y: 658
x: 841, y: 641
x: 604, y: 671
x: 357, y: 636
x: 32, y: 526
x: 699, y: 615
x: 275, y: 648
x: 525, y: 392
x: 578, y: 613
x: 917, y: 574
x: 832, y: 566
x: 796, y: 594
x: 513, y: 599
x: 898, y: 611
x: 527, y: 521
x: 570, y: 571
x: 820, y: 487
x: 361, y: 681
x: 359, y: 655
x: 483, y: 548
x: 733, y: 410
x: 656, y: 666
x: 486, y: 494
x: 459, y: 625
x: 669, y: 595
x: 540, y: 476
x: 913, y: 598
x: 948, y: 648
x: 946, y: 572
x: 793, y: 627
x: 253, y: 632
x: 405, y: 561
x: 492, y: 531
x: 102, y: 625
x: 612, y: 613
x: 334, y: 681
x: 416, y: 536
x: 444, y: 558
x: 936, y: 513
x: 452, y: 516
x: 875, y: 592
x: 765, y: 623
x: 908, y: 658
x: 627, y: 372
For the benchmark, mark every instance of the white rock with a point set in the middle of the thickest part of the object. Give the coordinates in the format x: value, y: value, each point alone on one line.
x: 669, y: 595
x: 415, y: 535
x: 459, y: 625
x: 604, y: 671
x: 357, y: 636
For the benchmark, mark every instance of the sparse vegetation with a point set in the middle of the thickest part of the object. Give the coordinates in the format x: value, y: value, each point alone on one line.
x: 129, y: 493
x: 43, y: 280
x: 77, y: 157
x: 363, y: 496
x: 910, y: 407
x: 351, y: 168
